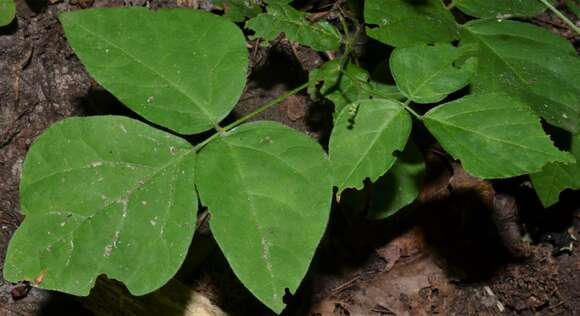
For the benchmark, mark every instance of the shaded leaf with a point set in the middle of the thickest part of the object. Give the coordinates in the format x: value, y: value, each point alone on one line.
x: 403, y: 23
x: 104, y: 195
x: 337, y: 87
x: 188, y: 81
x: 321, y: 36
x: 494, y: 136
x: 574, y: 6
x: 400, y: 186
x: 427, y: 74
x: 500, y: 9
x: 556, y: 177
x: 7, y: 11
x: 364, y: 139
x: 239, y: 10
x: 528, y: 63
x: 269, y: 190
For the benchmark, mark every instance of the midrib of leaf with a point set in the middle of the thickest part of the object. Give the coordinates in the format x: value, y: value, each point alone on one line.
x: 499, y: 140
x: 178, y: 88
x: 263, y: 240
x: 420, y: 86
x: 522, y: 80
x: 371, y: 145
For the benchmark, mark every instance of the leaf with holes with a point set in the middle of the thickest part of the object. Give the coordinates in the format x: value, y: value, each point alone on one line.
x: 400, y: 186
x: 7, y: 11
x: 556, y: 177
x: 494, y: 136
x: 321, y: 36
x: 403, y: 23
x: 364, y: 139
x: 268, y: 188
x: 528, y: 63
x: 188, y: 81
x: 93, y: 190
x: 427, y: 74
x: 500, y: 9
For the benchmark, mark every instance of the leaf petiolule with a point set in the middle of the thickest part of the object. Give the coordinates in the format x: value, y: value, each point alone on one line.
x: 494, y: 136
x: 281, y: 17
x: 268, y: 189
x: 183, y: 69
x: 104, y: 195
x: 403, y: 23
x: 528, y: 63
x: 427, y: 74
x: 556, y: 177
x: 500, y: 9
x: 365, y: 136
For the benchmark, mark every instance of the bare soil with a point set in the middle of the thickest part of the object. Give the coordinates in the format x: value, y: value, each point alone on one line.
x: 457, y: 251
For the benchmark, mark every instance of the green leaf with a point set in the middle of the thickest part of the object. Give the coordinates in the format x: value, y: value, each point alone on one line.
x: 556, y: 177
x: 239, y: 10
x: 269, y: 190
x: 7, y: 11
x: 574, y: 6
x: 500, y: 9
x: 528, y: 63
x: 321, y: 36
x: 427, y: 74
x: 183, y: 69
x: 400, y: 186
x: 337, y: 87
x: 494, y: 136
x: 364, y: 139
x: 408, y: 23
x: 104, y: 195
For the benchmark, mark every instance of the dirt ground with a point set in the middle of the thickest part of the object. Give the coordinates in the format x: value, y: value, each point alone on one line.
x: 457, y: 251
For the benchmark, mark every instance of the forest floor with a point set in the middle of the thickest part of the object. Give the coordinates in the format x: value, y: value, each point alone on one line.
x: 451, y: 253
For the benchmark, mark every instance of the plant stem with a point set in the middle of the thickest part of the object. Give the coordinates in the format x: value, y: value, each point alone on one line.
x: 561, y: 16
x: 267, y: 105
x: 410, y: 109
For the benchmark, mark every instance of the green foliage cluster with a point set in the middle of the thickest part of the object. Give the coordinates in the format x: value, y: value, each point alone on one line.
x: 112, y: 195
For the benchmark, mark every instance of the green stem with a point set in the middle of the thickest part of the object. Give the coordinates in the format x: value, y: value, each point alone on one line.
x: 266, y: 106
x: 246, y: 117
x: 410, y: 109
x: 561, y: 16
x: 378, y: 94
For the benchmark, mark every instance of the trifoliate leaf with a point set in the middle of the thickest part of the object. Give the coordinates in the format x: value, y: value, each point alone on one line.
x: 321, y: 36
x: 500, y: 9
x: 494, y: 136
x: 365, y: 136
x: 528, y: 63
x: 183, y: 69
x: 7, y: 11
x: 400, y: 186
x: 427, y: 74
x: 556, y: 177
x: 403, y: 23
x: 239, y: 10
x: 268, y: 189
x: 104, y: 195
